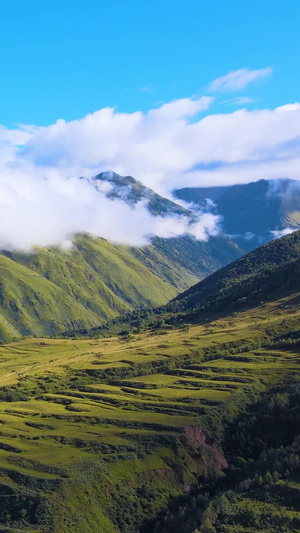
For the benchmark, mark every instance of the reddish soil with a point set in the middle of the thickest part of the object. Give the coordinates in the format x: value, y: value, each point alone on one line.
x: 201, y: 439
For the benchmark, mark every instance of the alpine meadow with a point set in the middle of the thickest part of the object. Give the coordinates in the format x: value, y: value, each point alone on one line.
x: 149, y: 267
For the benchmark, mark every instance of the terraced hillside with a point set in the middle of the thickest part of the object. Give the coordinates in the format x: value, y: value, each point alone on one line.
x: 98, y: 435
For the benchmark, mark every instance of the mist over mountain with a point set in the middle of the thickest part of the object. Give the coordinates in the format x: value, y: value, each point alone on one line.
x: 93, y: 280
x: 133, y: 191
x: 38, y: 211
x: 51, y: 289
x: 253, y: 213
x: 177, y: 144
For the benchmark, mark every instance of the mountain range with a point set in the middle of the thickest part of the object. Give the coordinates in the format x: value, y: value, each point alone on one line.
x: 253, y: 213
x: 51, y: 290
x: 266, y: 273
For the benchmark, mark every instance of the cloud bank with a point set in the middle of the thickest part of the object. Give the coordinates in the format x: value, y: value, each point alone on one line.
x: 42, y: 201
x: 172, y: 146
x: 45, y: 212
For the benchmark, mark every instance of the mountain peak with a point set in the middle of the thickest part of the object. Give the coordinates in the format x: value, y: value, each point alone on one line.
x: 133, y: 191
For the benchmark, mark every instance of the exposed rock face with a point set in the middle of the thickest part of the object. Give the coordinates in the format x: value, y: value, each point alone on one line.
x: 201, y: 439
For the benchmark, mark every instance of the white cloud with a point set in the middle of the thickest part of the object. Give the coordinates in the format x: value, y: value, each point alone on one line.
x: 14, y: 137
x: 238, y: 79
x: 166, y: 148
x: 185, y: 107
x: 239, y: 100
x: 39, y: 205
x: 49, y: 211
x: 281, y: 233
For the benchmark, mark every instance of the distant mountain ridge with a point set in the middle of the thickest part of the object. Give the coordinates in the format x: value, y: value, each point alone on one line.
x: 251, y: 212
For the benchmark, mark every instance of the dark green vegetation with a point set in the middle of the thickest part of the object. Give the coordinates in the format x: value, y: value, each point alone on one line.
x: 261, y: 490
x: 252, y: 211
x: 50, y: 290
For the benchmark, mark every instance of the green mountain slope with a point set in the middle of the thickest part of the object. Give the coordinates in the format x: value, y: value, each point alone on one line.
x: 100, y: 275
x: 32, y: 305
x: 255, y: 277
x: 95, y: 281
x: 199, y: 257
x: 106, y: 434
x: 49, y: 291
x: 263, y: 275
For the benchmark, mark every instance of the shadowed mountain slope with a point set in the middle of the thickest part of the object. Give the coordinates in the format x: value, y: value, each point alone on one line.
x: 255, y: 277
x: 252, y: 211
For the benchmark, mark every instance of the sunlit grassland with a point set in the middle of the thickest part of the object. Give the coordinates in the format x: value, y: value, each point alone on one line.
x: 123, y: 403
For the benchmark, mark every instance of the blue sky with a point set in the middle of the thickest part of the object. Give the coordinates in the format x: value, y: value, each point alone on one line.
x: 175, y: 94
x: 67, y: 58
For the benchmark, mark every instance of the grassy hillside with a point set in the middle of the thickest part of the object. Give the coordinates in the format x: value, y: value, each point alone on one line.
x: 104, y: 277
x: 255, y: 277
x: 30, y: 304
x: 51, y: 290
x: 99, y: 435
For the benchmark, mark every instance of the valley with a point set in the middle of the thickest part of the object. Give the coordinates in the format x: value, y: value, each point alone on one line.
x: 149, y: 267
x: 150, y: 421
x: 105, y: 432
